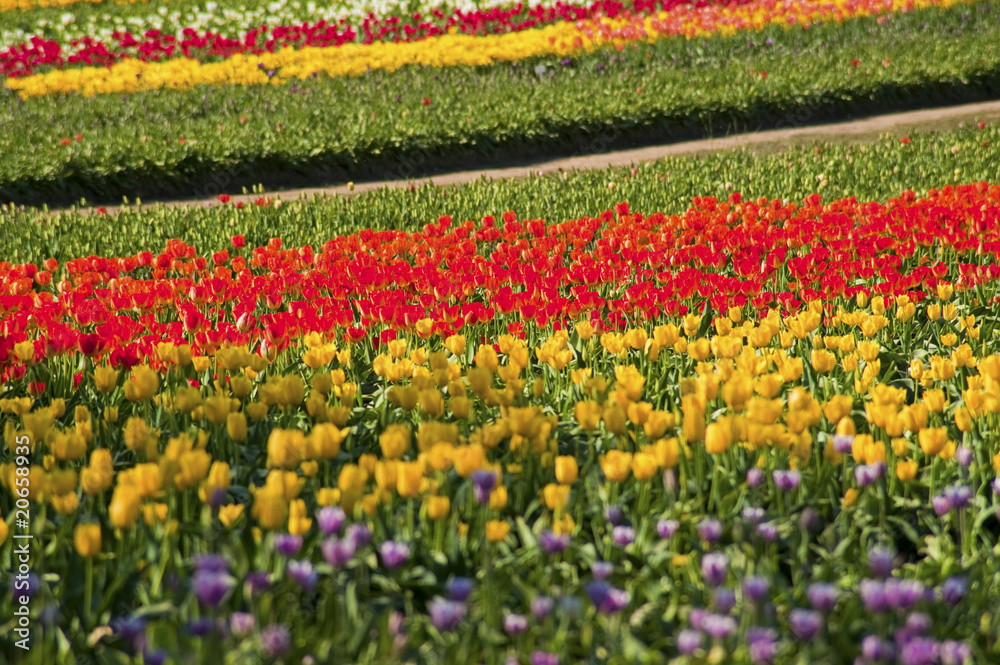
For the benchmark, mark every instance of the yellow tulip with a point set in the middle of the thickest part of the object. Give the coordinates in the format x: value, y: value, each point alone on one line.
x: 933, y: 440
x: 217, y: 483
x: 143, y: 384
x: 719, y: 436
x: 666, y: 452
x: 106, y: 378
x: 497, y: 530
x: 87, y: 540
x: 823, y: 361
x: 298, y: 521
x: 644, y: 466
x: 438, y: 507
x: 285, y: 448
x: 616, y: 465
x: 468, y: 459
x: 228, y: 514
x: 556, y: 496
x: 906, y: 470
x: 395, y: 441
x: 566, y: 469
x: 498, y: 497
x: 408, y: 477
x: 588, y: 414
x: 123, y: 510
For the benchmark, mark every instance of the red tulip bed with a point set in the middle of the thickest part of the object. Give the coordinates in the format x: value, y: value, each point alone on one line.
x: 611, y: 433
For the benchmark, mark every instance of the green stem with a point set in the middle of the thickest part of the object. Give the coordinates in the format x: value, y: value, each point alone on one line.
x: 88, y: 591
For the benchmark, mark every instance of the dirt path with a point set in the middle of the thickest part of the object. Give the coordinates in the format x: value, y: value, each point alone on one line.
x: 770, y: 140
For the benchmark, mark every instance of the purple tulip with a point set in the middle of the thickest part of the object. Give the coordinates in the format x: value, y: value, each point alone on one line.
x: 553, y: 543
x: 543, y: 658
x: 689, y: 641
x: 866, y: 474
x: 598, y: 591
x: 667, y: 528
x: 873, y: 595
x: 154, y: 657
x: 823, y: 597
x: 964, y: 456
x: 275, y: 641
x: 287, y: 545
x: 446, y: 614
x: 958, y: 496
x: 697, y: 618
x: 902, y: 636
x: 330, y: 519
x: 710, y: 530
x: 613, y: 514
x: 942, y: 506
x: 395, y: 623
x: 955, y: 653
x: 724, y: 600
x: 360, y: 535
x: 768, y: 531
x: 843, y: 443
x: 669, y: 480
x: 394, y: 554
x: 515, y: 624
x: 719, y: 627
x: 805, y: 623
x: 303, y: 574
x: 810, y: 521
x: 483, y: 482
x: 200, y: 627
x: 337, y: 551
x: 615, y: 601
x: 129, y: 628
x: 755, y: 588
x: 623, y: 536
x: 762, y: 643
x: 874, y: 650
x: 918, y: 623
x: 754, y: 477
x: 211, y: 587
x: 753, y: 514
x: 881, y: 561
x: 602, y: 569
x: 459, y: 588
x: 241, y: 624
x: 211, y: 563
x: 606, y: 598
x: 903, y: 594
x: 713, y: 567
x: 919, y: 651
x: 953, y: 590
x: 786, y: 481
x: 257, y: 582
x: 541, y: 607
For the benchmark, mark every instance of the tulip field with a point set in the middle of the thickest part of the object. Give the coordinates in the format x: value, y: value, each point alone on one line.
x: 734, y: 408
x: 85, y: 131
